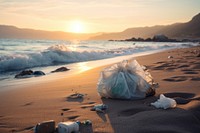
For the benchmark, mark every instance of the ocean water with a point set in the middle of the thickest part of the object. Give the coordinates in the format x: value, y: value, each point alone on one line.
x: 20, y: 54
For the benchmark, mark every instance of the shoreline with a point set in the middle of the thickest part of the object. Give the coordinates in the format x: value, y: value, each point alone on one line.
x: 23, y: 108
x: 75, y: 68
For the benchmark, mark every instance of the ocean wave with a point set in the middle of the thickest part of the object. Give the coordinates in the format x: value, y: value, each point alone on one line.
x: 62, y: 54
x: 54, y: 55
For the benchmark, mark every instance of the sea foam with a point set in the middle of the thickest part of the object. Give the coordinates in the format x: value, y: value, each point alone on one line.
x: 63, y: 54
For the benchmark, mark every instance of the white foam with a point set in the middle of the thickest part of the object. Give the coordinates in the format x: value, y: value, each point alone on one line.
x: 24, y: 57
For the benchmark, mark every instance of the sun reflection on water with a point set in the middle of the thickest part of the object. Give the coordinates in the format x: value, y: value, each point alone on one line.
x: 83, y: 66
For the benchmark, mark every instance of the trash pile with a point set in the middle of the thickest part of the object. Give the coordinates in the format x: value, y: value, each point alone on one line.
x: 64, y: 127
x: 125, y: 80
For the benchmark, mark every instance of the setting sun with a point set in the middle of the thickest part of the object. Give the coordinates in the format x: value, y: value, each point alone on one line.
x: 77, y: 27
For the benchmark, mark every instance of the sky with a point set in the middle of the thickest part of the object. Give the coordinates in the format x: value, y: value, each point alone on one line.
x: 91, y: 16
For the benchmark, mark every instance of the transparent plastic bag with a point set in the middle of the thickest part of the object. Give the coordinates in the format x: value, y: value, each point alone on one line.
x: 124, y: 80
x: 164, y: 102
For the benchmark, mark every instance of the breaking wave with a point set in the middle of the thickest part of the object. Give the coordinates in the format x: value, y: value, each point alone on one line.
x: 61, y: 54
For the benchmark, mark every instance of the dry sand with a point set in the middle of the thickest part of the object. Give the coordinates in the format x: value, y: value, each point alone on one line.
x: 21, y: 109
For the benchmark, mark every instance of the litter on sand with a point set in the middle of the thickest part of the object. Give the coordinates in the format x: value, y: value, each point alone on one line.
x: 64, y: 127
x: 170, y: 57
x: 45, y: 127
x: 76, y: 95
x: 100, y: 108
x: 125, y: 80
x: 164, y: 102
x: 68, y: 127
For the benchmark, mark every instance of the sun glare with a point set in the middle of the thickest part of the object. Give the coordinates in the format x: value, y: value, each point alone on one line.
x: 77, y: 27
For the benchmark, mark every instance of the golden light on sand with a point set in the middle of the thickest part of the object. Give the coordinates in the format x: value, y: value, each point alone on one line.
x: 77, y: 26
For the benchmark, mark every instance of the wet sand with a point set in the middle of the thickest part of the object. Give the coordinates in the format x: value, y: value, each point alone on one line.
x: 178, y: 78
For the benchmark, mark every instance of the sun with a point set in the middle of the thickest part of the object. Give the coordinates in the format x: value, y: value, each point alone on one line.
x: 77, y: 26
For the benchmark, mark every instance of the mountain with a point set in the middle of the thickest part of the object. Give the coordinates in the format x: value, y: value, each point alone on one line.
x: 19, y: 33
x: 189, y: 30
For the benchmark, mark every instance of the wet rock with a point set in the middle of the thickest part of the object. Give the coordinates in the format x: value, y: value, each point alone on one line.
x: 24, y: 74
x: 38, y: 73
x: 61, y: 69
x: 29, y: 73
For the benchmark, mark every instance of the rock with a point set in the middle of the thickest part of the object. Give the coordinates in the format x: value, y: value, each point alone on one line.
x: 38, y: 73
x: 29, y: 73
x: 61, y: 69
x: 163, y: 38
x: 160, y: 38
x: 24, y: 74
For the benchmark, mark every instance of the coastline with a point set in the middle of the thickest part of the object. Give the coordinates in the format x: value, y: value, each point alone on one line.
x: 23, y: 108
x: 75, y: 68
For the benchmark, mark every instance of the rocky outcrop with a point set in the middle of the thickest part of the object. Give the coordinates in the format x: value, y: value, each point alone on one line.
x: 29, y: 73
x: 61, y: 69
x: 156, y: 38
x: 38, y: 73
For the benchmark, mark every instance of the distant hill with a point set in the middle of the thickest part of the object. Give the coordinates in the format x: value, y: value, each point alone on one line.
x: 19, y: 33
x: 189, y: 30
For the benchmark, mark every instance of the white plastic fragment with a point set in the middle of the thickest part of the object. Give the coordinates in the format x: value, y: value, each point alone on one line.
x: 68, y: 127
x: 169, y: 57
x: 164, y: 102
x: 99, y: 108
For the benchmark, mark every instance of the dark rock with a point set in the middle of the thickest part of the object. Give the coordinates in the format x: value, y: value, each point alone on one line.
x: 61, y: 69
x: 156, y: 38
x: 29, y: 73
x: 162, y: 38
x: 38, y: 73
x: 140, y: 39
x: 24, y: 74
x: 148, y: 39
x: 131, y: 39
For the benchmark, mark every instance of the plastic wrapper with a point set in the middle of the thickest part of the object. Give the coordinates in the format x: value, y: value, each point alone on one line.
x: 124, y: 80
x: 164, y: 102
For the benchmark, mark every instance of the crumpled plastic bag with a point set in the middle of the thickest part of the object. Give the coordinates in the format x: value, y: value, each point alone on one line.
x: 164, y: 102
x: 124, y: 80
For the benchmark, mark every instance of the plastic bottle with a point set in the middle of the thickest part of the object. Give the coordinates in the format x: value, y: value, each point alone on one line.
x: 68, y: 127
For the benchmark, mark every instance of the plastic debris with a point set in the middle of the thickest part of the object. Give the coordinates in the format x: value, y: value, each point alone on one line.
x: 164, y: 102
x: 76, y: 95
x: 68, y: 127
x: 124, y: 80
x: 87, y: 122
x: 100, y: 108
x: 45, y: 127
x: 86, y: 127
x: 169, y: 57
x: 144, y: 67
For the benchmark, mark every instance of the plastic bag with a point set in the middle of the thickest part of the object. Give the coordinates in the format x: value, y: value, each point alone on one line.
x: 124, y: 80
x: 164, y: 102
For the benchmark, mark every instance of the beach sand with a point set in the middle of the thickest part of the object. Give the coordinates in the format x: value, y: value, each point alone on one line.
x: 23, y: 108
